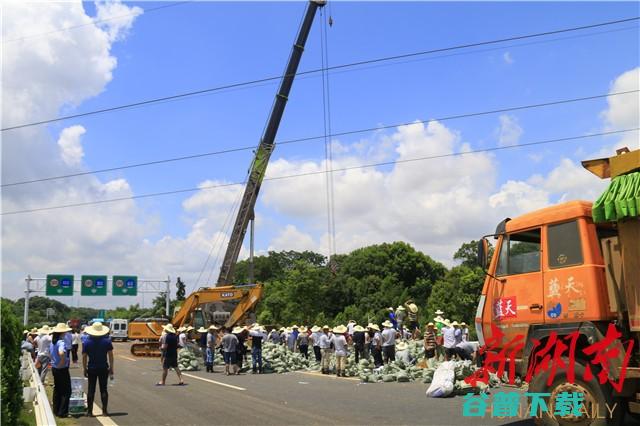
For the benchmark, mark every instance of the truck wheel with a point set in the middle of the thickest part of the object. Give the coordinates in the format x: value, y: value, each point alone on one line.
x: 596, y: 399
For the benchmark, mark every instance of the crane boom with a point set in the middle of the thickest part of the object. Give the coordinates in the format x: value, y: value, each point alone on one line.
x: 263, y: 153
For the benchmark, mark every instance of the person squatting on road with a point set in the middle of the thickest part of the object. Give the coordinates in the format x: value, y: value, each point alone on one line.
x: 60, y: 371
x: 325, y: 347
x: 229, y: 347
x: 388, y: 342
x: 211, y: 343
x: 340, y: 345
x: 170, y: 354
x: 97, y: 364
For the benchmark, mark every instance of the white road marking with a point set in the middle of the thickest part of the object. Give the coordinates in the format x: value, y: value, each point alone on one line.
x: 126, y: 357
x: 214, y: 382
x: 105, y: 421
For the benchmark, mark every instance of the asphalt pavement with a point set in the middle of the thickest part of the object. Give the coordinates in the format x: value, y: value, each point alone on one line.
x: 292, y: 398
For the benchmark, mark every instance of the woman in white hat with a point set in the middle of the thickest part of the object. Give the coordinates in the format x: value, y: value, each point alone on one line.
x: 97, y: 364
x: 340, y: 346
x: 60, y: 371
x: 376, y: 344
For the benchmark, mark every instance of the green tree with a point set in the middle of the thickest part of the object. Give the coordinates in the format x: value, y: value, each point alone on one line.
x: 11, y: 388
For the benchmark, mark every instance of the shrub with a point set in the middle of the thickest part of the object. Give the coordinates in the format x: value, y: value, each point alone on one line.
x: 11, y: 392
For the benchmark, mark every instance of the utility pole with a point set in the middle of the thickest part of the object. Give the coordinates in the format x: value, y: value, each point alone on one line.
x: 168, y: 296
x: 27, y: 292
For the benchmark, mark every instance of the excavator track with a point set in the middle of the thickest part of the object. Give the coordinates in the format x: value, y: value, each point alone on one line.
x: 146, y: 349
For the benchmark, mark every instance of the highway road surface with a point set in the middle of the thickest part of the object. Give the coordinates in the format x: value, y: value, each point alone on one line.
x: 269, y: 399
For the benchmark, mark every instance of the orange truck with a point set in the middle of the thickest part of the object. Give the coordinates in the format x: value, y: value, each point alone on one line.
x: 571, y: 271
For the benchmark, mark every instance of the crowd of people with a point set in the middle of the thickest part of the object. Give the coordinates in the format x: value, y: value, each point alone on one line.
x: 56, y: 349
x: 330, y: 346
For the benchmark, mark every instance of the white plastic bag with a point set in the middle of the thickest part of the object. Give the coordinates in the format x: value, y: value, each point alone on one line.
x: 443, y: 379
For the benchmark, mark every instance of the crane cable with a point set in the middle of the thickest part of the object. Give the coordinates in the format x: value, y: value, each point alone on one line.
x: 326, y: 113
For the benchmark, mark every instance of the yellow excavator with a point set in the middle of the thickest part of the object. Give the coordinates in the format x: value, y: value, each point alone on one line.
x: 222, y: 306
x: 226, y: 304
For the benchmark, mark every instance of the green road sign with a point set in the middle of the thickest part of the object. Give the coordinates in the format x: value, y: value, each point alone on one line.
x: 125, y: 285
x: 59, y: 285
x: 93, y: 285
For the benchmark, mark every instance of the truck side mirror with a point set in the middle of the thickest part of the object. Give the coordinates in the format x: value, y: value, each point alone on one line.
x: 483, y: 249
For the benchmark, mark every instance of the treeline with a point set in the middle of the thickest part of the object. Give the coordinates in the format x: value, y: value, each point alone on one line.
x: 304, y: 287
x: 361, y: 285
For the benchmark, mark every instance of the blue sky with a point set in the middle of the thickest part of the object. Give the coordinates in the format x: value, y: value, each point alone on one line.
x: 207, y: 44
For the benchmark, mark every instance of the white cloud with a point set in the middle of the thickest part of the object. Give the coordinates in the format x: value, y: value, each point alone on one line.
x: 291, y: 238
x: 71, y: 146
x: 623, y: 111
x: 521, y: 195
x: 508, y: 58
x: 509, y: 132
x: 117, y: 18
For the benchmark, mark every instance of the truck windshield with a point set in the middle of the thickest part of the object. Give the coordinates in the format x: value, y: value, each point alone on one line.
x: 519, y: 253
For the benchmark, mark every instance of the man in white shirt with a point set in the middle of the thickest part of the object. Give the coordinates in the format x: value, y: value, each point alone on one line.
x: 44, y: 352
x: 449, y: 337
x: 340, y: 346
x: 182, y: 337
x: 325, y: 346
x: 388, y: 342
x: 315, y: 341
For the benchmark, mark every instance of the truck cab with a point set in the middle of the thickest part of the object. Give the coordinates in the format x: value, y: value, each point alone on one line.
x: 555, y: 272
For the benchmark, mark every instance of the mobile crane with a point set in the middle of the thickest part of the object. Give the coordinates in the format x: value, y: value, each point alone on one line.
x: 209, y: 301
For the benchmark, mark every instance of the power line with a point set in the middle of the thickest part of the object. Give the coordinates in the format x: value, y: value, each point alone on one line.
x: 309, y: 138
x: 94, y: 22
x: 363, y: 166
x: 334, y: 67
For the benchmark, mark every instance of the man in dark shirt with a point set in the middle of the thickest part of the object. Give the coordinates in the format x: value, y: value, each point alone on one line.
x: 358, y: 342
x: 257, y: 334
x: 97, y: 362
x: 170, y: 349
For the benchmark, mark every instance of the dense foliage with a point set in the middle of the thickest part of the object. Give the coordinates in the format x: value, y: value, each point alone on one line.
x: 11, y: 393
x: 300, y: 287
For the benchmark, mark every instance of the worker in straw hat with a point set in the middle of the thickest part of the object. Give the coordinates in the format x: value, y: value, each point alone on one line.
x: 60, y: 370
x: 412, y: 312
x: 358, y: 338
x: 340, y: 345
x: 376, y: 344
x: 465, y: 331
x: 182, y: 337
x: 258, y: 335
x: 303, y: 341
x: 325, y: 346
x: 170, y: 351
x: 316, y: 332
x: 229, y: 347
x: 202, y: 342
x: 392, y: 317
x: 430, y: 341
x: 43, y: 347
x: 97, y: 364
x: 211, y: 341
x: 402, y: 353
x: 388, y: 342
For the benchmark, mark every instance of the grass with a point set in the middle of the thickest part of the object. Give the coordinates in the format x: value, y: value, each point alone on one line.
x: 69, y: 421
x: 27, y: 416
